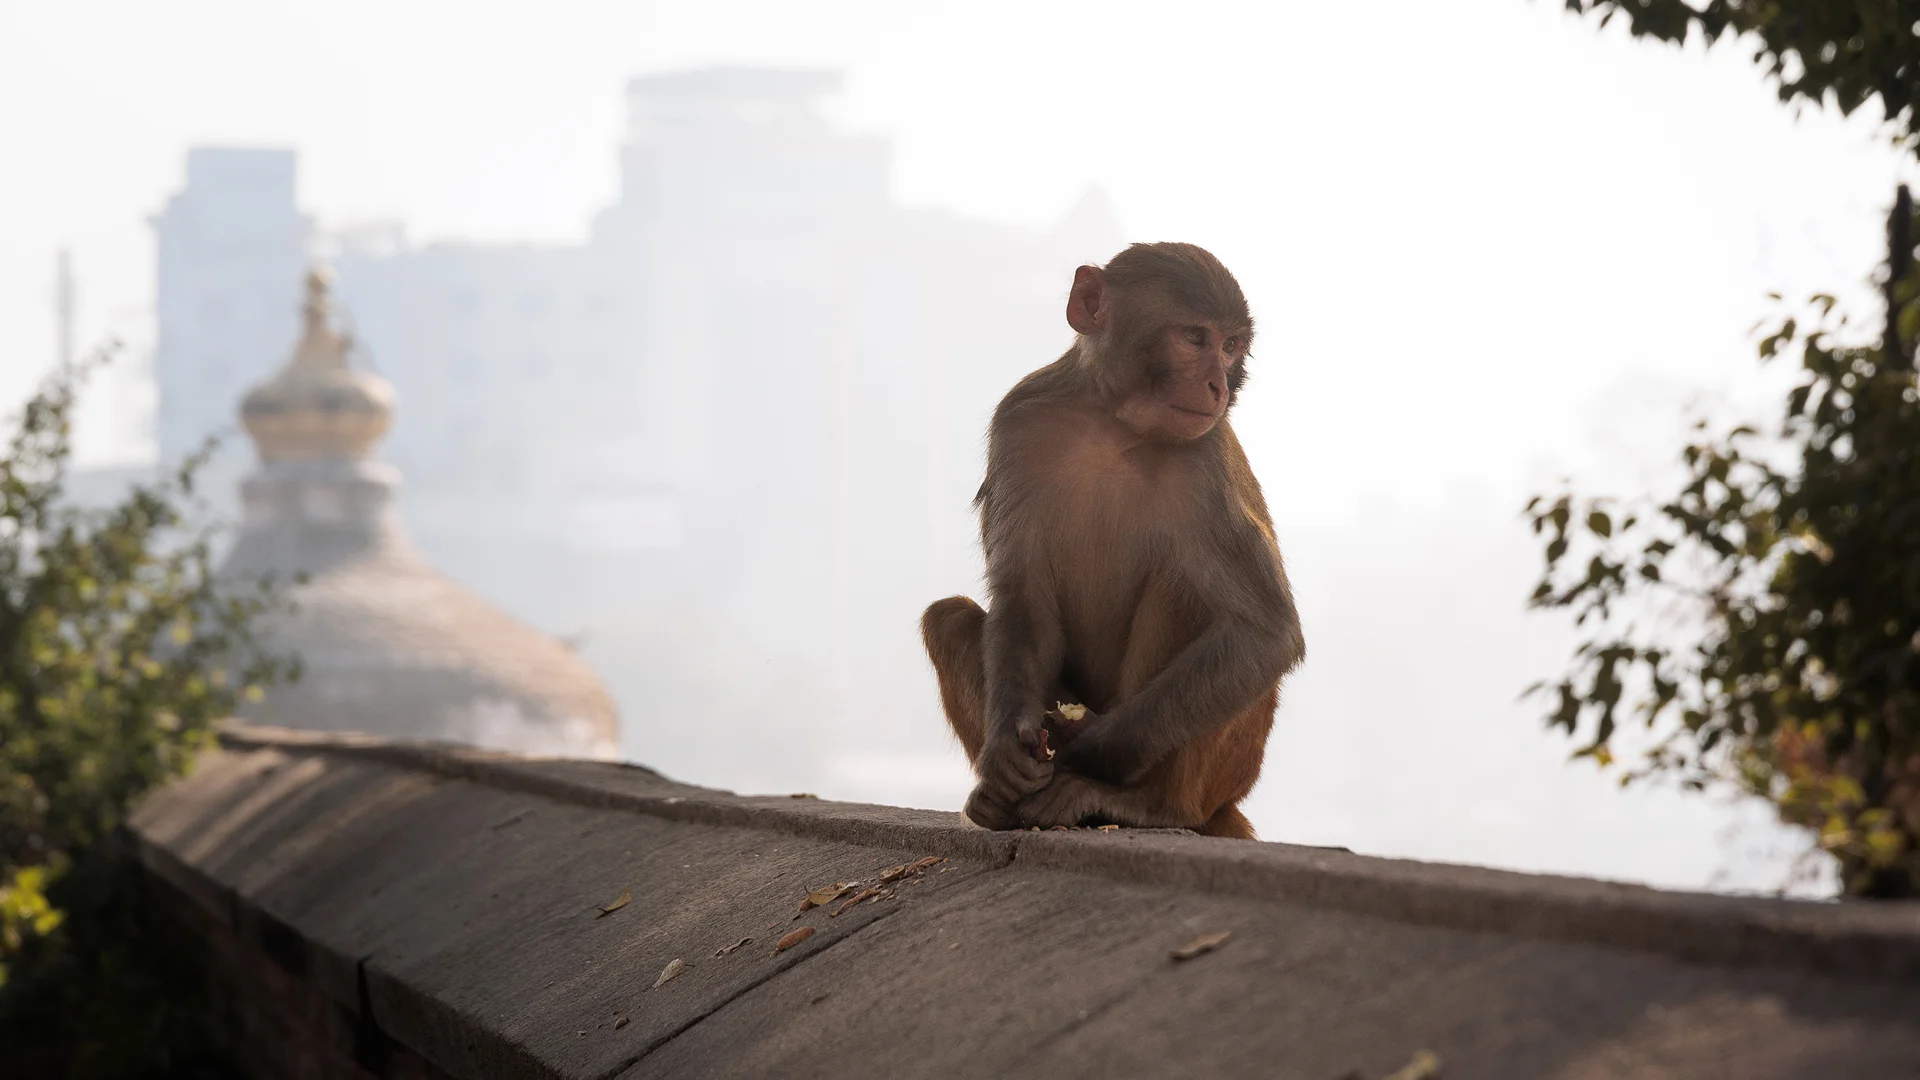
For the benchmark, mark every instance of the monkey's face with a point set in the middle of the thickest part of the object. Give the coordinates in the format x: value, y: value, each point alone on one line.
x: 1192, y: 372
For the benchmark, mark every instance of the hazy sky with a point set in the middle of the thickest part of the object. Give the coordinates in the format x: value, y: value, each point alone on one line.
x: 1487, y: 242
x: 1459, y: 220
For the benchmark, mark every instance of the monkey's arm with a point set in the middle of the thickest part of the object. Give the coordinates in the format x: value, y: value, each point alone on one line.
x: 1252, y: 639
x: 1024, y: 647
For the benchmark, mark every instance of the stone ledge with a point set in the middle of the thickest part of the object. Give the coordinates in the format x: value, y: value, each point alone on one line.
x: 443, y: 903
x: 1855, y: 939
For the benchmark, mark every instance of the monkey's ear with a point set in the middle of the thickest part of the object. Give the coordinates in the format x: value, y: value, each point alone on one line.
x: 1088, y: 300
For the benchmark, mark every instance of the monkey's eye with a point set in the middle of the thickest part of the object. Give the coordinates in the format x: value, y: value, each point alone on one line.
x: 1195, y: 335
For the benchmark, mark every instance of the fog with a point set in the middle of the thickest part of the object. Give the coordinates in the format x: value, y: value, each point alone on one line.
x: 705, y: 388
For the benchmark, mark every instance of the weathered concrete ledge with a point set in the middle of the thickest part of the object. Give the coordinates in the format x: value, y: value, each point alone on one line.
x: 405, y: 909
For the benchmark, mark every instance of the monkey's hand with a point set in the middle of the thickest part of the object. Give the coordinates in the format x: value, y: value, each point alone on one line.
x: 1105, y: 751
x: 1009, y: 771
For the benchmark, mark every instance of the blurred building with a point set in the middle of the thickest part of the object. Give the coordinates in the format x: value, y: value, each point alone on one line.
x: 387, y: 644
x: 232, y: 246
x: 714, y: 440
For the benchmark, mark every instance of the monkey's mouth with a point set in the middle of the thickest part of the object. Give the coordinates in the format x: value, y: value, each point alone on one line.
x: 1204, y: 414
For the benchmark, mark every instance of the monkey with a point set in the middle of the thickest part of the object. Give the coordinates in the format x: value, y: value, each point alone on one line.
x: 1131, y: 567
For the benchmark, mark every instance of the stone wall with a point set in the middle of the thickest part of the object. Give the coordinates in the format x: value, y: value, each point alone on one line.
x: 412, y: 911
x: 284, y: 1026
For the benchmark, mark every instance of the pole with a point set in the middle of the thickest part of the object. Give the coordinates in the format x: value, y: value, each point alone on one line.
x: 1899, y: 267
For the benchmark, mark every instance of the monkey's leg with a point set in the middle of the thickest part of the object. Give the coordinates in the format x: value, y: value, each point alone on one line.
x: 1204, y: 781
x: 954, y: 630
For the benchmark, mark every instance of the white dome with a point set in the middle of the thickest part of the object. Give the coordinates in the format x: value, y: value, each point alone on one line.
x: 388, y: 645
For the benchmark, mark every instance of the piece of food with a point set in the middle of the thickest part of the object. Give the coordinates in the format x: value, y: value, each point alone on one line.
x: 1041, y: 751
x: 1066, y: 721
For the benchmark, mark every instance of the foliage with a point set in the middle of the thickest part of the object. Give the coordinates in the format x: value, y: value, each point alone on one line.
x: 1796, y: 552
x: 1844, y: 51
x: 118, y: 652
x: 118, y: 990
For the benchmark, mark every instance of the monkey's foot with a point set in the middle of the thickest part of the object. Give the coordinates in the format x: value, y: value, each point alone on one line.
x: 1066, y: 800
x: 988, y: 814
x: 1071, y: 799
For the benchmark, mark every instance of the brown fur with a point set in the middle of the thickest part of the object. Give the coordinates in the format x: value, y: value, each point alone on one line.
x: 1132, y: 573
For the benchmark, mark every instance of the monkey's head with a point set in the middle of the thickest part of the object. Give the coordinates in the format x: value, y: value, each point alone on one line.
x: 1164, y: 331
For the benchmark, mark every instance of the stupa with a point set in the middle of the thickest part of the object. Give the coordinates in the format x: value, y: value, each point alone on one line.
x: 388, y: 645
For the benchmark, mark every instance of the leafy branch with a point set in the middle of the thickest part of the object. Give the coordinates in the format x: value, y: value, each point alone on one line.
x: 1843, y: 52
x: 119, y: 650
x: 1793, y: 554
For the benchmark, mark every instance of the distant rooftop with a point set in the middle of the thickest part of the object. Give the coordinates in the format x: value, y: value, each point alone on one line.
x: 738, y: 84
x: 225, y: 165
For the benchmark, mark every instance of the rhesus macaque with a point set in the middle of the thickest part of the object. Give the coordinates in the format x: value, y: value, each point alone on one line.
x: 1131, y: 568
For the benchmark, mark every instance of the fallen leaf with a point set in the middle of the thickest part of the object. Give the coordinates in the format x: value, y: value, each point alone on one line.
x: 725, y: 949
x: 821, y: 998
x: 827, y: 894
x: 674, y: 969
x: 620, y: 1023
x: 895, y: 873
x: 803, y: 795
x: 1060, y: 828
x: 865, y: 894
x: 1106, y: 828
x: 792, y: 939
x: 1424, y: 1066
x: 1205, y: 943
x: 625, y: 898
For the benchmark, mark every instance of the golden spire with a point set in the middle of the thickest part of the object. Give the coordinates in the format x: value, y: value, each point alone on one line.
x: 317, y: 408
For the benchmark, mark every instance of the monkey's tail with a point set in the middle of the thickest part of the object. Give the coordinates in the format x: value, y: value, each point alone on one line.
x: 1230, y: 822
